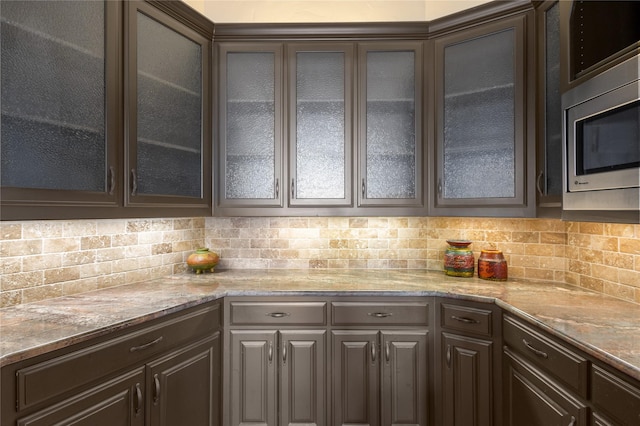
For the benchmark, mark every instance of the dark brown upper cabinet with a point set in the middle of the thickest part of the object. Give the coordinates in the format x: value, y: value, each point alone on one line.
x: 106, y: 110
x: 548, y: 110
x: 595, y: 36
x: 320, y: 119
x: 483, y: 152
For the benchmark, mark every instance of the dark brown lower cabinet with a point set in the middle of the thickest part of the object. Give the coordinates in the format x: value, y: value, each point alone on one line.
x: 467, y: 380
x: 182, y: 387
x: 532, y: 398
x: 278, y: 377
x: 165, y: 373
x: 118, y: 402
x: 380, y: 377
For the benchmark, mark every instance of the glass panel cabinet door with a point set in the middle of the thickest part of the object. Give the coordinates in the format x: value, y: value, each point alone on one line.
x: 168, y: 152
x: 250, y: 134
x: 481, y: 138
x: 320, y: 79
x: 57, y: 61
x: 549, y: 175
x: 390, y: 87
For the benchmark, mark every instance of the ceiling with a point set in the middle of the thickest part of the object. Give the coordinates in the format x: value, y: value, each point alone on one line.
x: 302, y: 11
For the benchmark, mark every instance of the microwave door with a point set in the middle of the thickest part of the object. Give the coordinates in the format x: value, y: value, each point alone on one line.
x: 604, y: 142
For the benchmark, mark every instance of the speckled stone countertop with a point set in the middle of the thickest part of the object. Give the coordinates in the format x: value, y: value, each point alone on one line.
x: 605, y: 327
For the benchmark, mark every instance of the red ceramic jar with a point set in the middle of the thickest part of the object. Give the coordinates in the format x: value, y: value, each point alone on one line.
x: 492, y: 265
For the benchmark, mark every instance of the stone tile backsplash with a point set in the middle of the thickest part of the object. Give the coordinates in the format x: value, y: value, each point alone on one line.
x: 45, y: 259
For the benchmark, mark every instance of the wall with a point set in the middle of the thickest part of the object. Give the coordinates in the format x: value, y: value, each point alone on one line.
x: 46, y: 259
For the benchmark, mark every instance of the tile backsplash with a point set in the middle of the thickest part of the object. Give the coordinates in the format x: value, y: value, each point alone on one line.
x: 46, y: 259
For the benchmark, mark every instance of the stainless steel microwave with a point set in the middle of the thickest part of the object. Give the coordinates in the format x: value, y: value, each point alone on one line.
x: 602, y: 146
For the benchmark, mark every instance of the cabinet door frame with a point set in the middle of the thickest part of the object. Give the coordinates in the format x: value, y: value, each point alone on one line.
x: 31, y: 203
x: 222, y: 49
x: 167, y: 203
x: 360, y: 183
x: 415, y: 345
x: 523, y: 202
x: 348, y: 49
x: 302, y: 350
x: 263, y: 346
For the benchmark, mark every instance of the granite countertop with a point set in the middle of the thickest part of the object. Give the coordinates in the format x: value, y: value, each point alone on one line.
x: 602, y: 326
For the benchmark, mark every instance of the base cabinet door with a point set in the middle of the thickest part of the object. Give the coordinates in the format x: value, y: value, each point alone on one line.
x: 183, y: 387
x: 303, y: 378
x: 534, y: 400
x: 118, y: 402
x: 467, y: 381
x: 278, y: 377
x: 380, y: 377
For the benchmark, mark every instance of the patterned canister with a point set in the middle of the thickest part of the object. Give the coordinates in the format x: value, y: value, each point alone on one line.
x: 492, y: 265
x: 458, y: 259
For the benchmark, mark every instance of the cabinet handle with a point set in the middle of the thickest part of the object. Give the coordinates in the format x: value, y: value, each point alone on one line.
x: 448, y: 356
x: 134, y: 182
x: 138, y: 399
x: 538, y: 179
x: 284, y: 352
x: 534, y: 350
x: 146, y: 345
x: 439, y: 187
x: 293, y: 192
x: 278, y: 314
x: 380, y: 314
x: 387, y: 351
x: 156, y: 389
x: 112, y: 180
x: 465, y: 320
x: 277, y: 187
x: 572, y: 422
x: 373, y: 352
x: 363, y: 188
x: 270, y: 352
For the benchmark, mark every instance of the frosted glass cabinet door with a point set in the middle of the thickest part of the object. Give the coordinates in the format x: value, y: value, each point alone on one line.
x: 166, y: 131
x: 480, y: 141
x: 320, y: 132
x: 56, y: 58
x: 390, y: 87
x: 250, y: 134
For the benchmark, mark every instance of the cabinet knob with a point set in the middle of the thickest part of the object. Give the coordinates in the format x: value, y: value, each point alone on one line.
x: 380, y: 314
x: 156, y: 389
x: 278, y: 314
x: 534, y: 350
x: 465, y: 320
x: 139, y: 403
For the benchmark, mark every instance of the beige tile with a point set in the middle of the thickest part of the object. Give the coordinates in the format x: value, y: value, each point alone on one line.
x: 592, y: 228
x: 10, y: 298
x: 21, y: 280
x: 10, y: 231
x: 41, y: 262
x: 628, y: 245
x: 60, y: 275
x: 95, y: 242
x: 61, y: 245
x: 35, y: 294
x: 20, y: 247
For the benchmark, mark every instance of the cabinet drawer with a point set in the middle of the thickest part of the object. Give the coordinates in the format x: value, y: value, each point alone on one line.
x: 380, y: 313
x: 48, y: 379
x: 552, y: 356
x: 466, y: 319
x: 616, y: 397
x: 271, y: 313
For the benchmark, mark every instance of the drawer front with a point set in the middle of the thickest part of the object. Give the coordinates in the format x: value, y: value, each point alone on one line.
x: 273, y: 313
x: 45, y: 380
x: 552, y: 356
x: 380, y: 313
x: 615, y: 397
x: 466, y: 319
